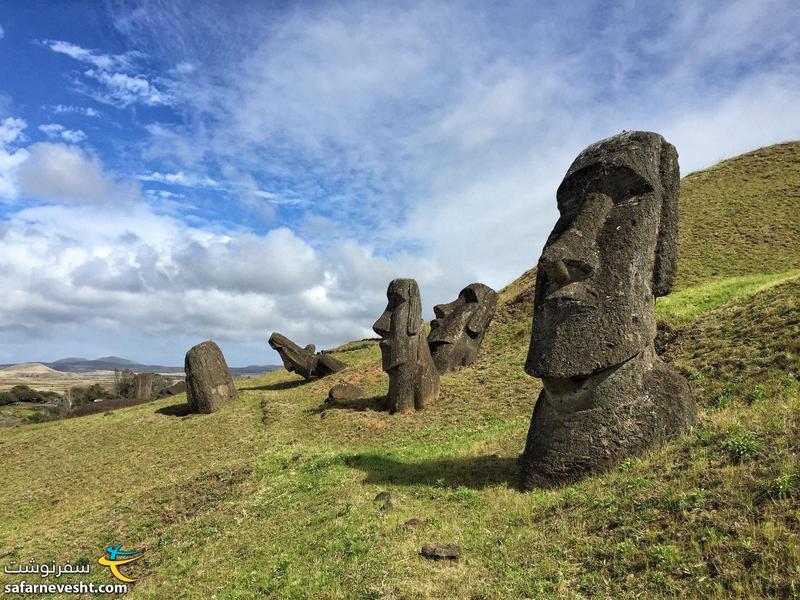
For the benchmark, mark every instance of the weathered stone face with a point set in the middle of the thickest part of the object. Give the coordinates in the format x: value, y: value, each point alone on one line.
x: 208, y: 381
x: 458, y: 329
x: 413, y: 379
x: 611, y: 252
x: 606, y: 393
x: 306, y: 362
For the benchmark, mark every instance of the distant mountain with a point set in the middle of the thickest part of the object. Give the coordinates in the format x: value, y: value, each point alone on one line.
x: 109, y: 363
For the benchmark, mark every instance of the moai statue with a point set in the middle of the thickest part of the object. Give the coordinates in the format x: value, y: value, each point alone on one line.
x: 458, y: 329
x: 413, y: 379
x: 208, y: 381
x: 306, y: 362
x: 606, y: 396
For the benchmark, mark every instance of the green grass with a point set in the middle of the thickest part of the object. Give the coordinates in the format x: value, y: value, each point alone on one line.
x: 273, y: 496
x: 684, y: 305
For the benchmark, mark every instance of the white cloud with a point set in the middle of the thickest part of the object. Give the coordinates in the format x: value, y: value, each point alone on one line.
x: 55, y: 131
x: 119, y: 82
x: 11, y: 158
x: 86, y: 111
x: 180, y: 178
x: 66, y: 174
x: 2, y: 32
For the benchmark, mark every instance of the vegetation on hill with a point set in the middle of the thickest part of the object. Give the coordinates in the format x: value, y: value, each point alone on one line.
x: 273, y: 496
x: 740, y: 216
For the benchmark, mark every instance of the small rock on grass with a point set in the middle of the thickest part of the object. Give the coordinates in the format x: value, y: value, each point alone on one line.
x: 383, y: 496
x: 412, y: 523
x: 441, y: 551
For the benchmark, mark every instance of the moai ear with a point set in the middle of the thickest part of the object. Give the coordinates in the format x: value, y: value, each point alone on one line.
x: 482, y: 316
x: 414, y: 308
x: 666, y: 262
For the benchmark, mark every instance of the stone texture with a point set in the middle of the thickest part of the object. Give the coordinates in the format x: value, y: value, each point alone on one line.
x: 208, y: 381
x: 441, y: 551
x: 344, y: 391
x: 175, y: 389
x: 458, y: 329
x: 147, y: 386
x: 406, y: 358
x: 306, y: 362
x: 606, y: 393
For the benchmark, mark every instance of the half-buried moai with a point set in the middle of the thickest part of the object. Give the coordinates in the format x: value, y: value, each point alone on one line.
x: 458, y: 329
x: 413, y: 379
x: 606, y: 396
x: 306, y: 362
x: 208, y: 381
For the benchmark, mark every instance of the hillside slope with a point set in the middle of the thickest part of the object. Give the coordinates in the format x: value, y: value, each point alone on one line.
x: 273, y: 496
x: 740, y: 217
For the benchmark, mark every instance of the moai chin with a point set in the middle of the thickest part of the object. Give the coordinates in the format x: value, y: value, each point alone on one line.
x: 458, y: 329
x: 306, y: 362
x: 413, y: 379
x: 606, y: 395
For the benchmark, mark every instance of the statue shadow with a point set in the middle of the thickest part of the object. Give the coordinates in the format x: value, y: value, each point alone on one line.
x: 376, y: 403
x: 274, y: 387
x: 174, y: 410
x: 473, y: 472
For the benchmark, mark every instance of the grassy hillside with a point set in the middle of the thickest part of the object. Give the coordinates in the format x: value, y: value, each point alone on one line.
x: 740, y: 217
x: 273, y: 496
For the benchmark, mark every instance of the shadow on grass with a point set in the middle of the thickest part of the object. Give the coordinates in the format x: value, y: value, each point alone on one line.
x: 476, y: 472
x: 377, y: 403
x: 274, y: 387
x: 174, y: 410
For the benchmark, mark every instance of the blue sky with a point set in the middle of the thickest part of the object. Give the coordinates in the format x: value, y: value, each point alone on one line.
x: 174, y: 171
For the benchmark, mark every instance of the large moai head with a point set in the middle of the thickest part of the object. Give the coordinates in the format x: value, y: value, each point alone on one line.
x: 400, y: 323
x: 606, y: 394
x: 413, y: 379
x: 611, y: 253
x: 458, y: 329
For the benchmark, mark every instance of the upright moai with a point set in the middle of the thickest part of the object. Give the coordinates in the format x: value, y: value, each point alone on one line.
x: 306, y: 362
x: 413, y: 379
x: 606, y: 394
x: 458, y: 329
x: 208, y: 381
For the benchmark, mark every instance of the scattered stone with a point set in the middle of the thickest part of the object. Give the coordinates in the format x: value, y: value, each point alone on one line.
x: 208, y: 381
x: 606, y: 394
x: 383, y: 496
x: 295, y: 457
x: 344, y: 391
x: 458, y: 329
x: 388, y: 505
x: 406, y: 357
x: 147, y: 386
x: 174, y: 389
x: 412, y: 523
x: 441, y: 551
x: 306, y: 362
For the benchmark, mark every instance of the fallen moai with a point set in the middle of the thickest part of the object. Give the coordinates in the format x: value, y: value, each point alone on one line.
x: 306, y: 362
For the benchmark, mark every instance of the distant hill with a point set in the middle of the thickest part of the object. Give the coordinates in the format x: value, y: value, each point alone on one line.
x: 109, y: 363
x: 28, y: 370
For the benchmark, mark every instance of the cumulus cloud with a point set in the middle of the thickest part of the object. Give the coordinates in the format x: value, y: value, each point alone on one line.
x: 11, y: 157
x: 67, y: 174
x: 55, y: 131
